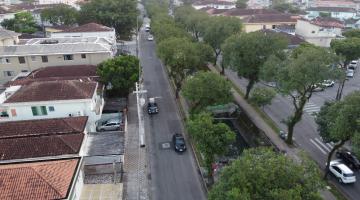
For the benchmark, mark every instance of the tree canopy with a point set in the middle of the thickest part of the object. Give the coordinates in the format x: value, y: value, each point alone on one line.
x: 262, y: 96
x: 298, y: 76
x: 264, y: 174
x: 241, y: 3
x: 206, y: 89
x: 23, y: 22
x: 164, y: 27
x: 246, y: 54
x: 61, y: 14
x: 352, y: 33
x: 212, y: 139
x: 121, y: 72
x: 119, y: 14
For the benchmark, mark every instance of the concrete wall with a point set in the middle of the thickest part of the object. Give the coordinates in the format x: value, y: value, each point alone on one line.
x: 252, y: 27
x: 9, y: 41
x: 315, y: 34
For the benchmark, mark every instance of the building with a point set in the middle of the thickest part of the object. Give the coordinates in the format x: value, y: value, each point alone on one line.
x: 46, y: 2
x: 50, y: 179
x: 244, y: 13
x: 8, y: 37
x: 213, y: 4
x: 334, y: 12
x: 319, y: 31
x: 333, y: 3
x: 87, y: 30
x: 63, y: 98
x: 42, y: 52
x: 267, y: 21
x: 258, y: 4
x: 42, y: 139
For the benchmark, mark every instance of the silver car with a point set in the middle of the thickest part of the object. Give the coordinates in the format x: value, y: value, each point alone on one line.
x: 110, y: 125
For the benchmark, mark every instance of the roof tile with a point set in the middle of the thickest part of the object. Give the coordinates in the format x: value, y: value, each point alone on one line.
x: 89, y: 27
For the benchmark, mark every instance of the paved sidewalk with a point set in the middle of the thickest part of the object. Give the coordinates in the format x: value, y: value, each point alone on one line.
x: 135, y: 164
x: 269, y: 132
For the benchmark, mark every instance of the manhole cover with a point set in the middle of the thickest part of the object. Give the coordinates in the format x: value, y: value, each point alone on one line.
x: 165, y: 145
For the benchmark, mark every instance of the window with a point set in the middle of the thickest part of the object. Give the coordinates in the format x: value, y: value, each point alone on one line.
x: 44, y: 59
x: 9, y: 73
x: 273, y: 26
x: 24, y: 70
x: 51, y: 108
x: 13, y: 112
x: 4, y: 113
x: 33, y: 58
x: 4, y: 60
x: 83, y: 56
x: 21, y: 59
x: 68, y: 57
x: 38, y: 110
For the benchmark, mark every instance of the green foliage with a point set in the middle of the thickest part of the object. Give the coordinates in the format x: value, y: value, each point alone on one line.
x: 218, y: 29
x: 262, y: 96
x: 246, y: 53
x: 348, y: 48
x: 23, y: 22
x: 192, y: 20
x: 164, y: 27
x: 206, y: 89
x: 352, y: 33
x: 121, y: 72
x: 156, y: 7
x: 61, y: 14
x: 210, y: 138
x: 241, y: 3
x: 298, y: 75
x: 262, y: 173
x: 119, y: 14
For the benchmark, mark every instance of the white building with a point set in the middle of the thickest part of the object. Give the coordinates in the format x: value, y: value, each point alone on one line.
x: 52, y: 99
x: 319, y: 31
x: 67, y: 2
x: 8, y: 37
x: 87, y: 30
x: 334, y: 12
x: 214, y: 4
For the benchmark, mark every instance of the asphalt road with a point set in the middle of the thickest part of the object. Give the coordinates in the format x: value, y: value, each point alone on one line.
x: 306, y: 135
x: 172, y: 175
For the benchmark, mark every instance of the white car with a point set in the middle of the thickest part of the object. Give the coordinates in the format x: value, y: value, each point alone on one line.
x: 328, y: 83
x: 349, y: 73
x: 150, y: 38
x: 110, y: 125
x: 342, y: 172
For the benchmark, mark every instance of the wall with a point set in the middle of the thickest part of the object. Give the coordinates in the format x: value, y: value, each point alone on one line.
x: 314, y: 34
x: 9, y: 41
x: 53, y: 60
x: 336, y: 15
x: 252, y: 27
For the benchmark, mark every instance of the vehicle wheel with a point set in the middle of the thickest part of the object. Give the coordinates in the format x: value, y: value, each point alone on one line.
x: 102, y: 130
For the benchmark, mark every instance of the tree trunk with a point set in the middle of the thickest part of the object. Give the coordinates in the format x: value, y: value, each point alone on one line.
x: 340, y: 90
x: 295, y: 119
x: 337, y: 146
x: 217, y: 53
x: 208, y: 163
x: 222, y: 69
x: 249, y: 87
x: 177, y: 89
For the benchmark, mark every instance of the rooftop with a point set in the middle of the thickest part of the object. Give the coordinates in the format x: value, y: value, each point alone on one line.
x: 55, y: 90
x: 37, y: 180
x: 40, y: 138
x: 327, y: 22
x: 268, y: 18
x: 207, y: 2
x: 246, y: 12
x: 89, y: 27
x: 4, y: 34
x: 332, y: 9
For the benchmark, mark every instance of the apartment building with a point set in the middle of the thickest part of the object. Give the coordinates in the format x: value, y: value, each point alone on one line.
x: 8, y: 37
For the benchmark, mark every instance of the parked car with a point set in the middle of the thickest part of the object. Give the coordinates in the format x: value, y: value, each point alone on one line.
x: 342, y: 172
x: 152, y: 107
x: 150, y: 38
x: 349, y: 73
x: 353, y: 63
x: 319, y: 88
x: 147, y: 27
x: 179, y: 142
x: 348, y: 158
x: 328, y: 83
x: 110, y: 125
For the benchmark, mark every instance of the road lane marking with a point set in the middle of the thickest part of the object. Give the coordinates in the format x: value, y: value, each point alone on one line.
x: 329, y: 145
x: 322, y: 144
x: 314, y: 143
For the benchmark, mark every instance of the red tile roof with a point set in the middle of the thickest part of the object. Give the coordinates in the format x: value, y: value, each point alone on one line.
x: 53, y: 90
x: 269, y: 18
x: 40, y: 138
x: 37, y: 180
x: 328, y: 22
x: 245, y: 12
x: 90, y: 27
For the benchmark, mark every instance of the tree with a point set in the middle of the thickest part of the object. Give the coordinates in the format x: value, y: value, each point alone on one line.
x: 206, y: 89
x: 241, y: 3
x: 211, y: 139
x: 261, y: 173
x: 262, y: 96
x: 338, y: 122
x: 246, y: 54
x: 182, y: 58
x: 164, y: 27
x: 218, y: 29
x: 349, y: 49
x: 120, y: 72
x: 119, y: 14
x: 61, y: 14
x: 23, y: 22
x: 192, y: 20
x: 298, y: 76
x: 352, y: 33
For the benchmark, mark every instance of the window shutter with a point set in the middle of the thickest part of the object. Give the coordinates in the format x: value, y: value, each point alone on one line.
x: 34, y: 111
x: 43, y: 110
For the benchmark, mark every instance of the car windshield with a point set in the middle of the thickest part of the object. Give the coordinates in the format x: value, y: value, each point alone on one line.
x: 152, y: 105
x: 348, y: 175
x: 180, y: 141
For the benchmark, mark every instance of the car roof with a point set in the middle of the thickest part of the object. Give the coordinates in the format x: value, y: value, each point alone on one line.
x: 113, y: 120
x: 341, y: 166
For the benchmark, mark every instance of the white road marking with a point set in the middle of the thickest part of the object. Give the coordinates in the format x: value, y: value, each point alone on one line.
x: 322, y: 144
x: 314, y: 143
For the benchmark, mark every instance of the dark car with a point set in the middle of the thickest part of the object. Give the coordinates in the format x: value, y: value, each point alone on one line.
x: 179, y: 142
x: 348, y: 158
x: 152, y: 108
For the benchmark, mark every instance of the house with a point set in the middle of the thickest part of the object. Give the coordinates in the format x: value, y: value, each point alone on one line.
x: 213, y: 4
x: 87, y: 30
x: 334, y: 3
x: 244, y: 13
x: 42, y: 52
x: 8, y: 37
x: 267, y: 21
x: 42, y: 138
x: 334, y: 12
x: 54, y: 29
x: 50, y: 179
x: 53, y: 99
x: 319, y: 31
x: 258, y: 4
x: 294, y: 40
